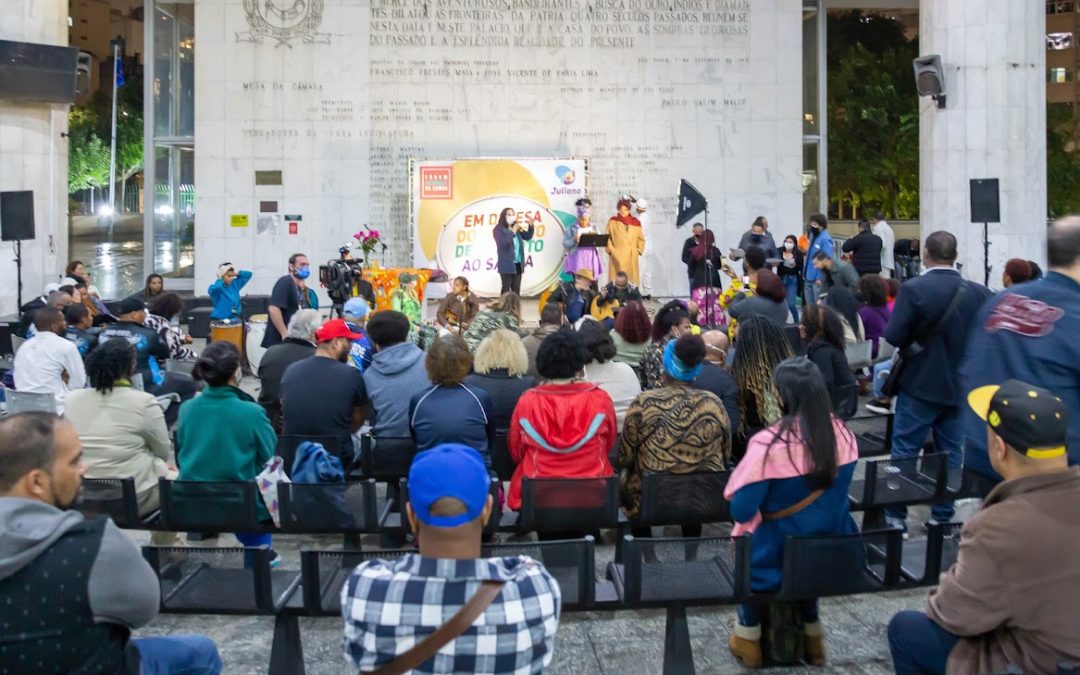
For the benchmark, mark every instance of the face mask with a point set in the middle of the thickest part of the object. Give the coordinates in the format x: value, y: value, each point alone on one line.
x: 303, y: 272
x: 756, y: 238
x: 788, y: 245
x: 510, y: 220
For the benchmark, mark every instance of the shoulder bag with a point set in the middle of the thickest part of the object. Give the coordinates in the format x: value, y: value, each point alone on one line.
x: 891, y: 387
x: 446, y: 633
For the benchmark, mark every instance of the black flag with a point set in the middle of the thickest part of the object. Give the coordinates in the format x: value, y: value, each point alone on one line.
x: 691, y: 203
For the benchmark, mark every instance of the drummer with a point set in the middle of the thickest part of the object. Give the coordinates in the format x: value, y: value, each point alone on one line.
x: 225, y: 292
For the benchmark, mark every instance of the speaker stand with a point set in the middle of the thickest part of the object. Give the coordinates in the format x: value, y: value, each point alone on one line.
x: 18, y: 272
x: 986, y: 255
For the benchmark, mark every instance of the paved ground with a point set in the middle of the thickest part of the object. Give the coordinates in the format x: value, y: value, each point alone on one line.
x: 623, y: 642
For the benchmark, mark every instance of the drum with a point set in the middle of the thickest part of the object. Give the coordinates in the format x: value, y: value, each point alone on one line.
x: 231, y: 331
x: 256, y: 329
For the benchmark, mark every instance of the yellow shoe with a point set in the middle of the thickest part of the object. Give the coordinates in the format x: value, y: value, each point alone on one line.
x: 747, y: 651
x: 815, y: 650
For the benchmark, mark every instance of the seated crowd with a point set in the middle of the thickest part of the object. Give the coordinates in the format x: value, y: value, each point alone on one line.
x: 582, y: 396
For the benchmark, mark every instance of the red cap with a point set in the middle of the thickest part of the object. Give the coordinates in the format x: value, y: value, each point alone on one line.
x: 337, y: 328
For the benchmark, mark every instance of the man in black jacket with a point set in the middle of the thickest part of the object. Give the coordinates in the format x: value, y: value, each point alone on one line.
x: 714, y: 378
x: 929, y: 396
x: 298, y: 345
x: 71, y: 588
x: 865, y: 250
x: 151, y: 352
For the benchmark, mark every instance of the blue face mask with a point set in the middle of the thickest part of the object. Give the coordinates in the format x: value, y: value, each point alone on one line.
x: 303, y: 272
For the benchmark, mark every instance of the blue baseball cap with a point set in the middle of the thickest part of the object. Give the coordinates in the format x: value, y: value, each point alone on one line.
x: 448, y: 470
x: 357, y: 307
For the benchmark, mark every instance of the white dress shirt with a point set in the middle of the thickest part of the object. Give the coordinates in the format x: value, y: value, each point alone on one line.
x: 888, y: 240
x: 41, y: 363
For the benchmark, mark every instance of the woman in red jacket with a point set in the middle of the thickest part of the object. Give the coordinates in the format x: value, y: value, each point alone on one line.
x: 565, y: 427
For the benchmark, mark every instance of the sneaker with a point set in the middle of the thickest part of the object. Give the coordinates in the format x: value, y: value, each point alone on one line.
x: 881, y: 405
x: 275, y: 558
x: 746, y: 651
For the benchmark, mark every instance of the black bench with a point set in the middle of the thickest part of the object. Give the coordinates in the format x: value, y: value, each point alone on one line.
x: 117, y: 499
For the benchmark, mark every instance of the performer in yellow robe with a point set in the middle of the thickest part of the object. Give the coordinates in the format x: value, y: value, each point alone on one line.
x: 626, y: 243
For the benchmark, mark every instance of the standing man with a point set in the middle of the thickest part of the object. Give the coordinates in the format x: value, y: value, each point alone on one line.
x: 758, y: 235
x: 820, y: 242
x: 510, y: 237
x: 1011, y: 597
x: 626, y: 243
x: 289, y: 295
x: 692, y: 242
x: 49, y: 363
x: 929, y: 325
x: 1030, y: 333
x: 888, y: 240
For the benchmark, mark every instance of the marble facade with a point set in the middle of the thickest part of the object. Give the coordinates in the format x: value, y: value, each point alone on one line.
x: 33, y: 156
x: 993, y: 126
x: 338, y: 95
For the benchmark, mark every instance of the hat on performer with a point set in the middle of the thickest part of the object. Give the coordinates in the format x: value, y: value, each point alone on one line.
x: 585, y: 273
x: 642, y: 205
x: 225, y: 268
x: 406, y: 277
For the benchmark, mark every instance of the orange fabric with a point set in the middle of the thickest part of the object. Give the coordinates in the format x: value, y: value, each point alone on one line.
x: 384, y: 281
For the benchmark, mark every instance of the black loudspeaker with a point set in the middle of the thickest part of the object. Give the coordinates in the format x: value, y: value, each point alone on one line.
x: 985, y: 206
x: 17, y: 215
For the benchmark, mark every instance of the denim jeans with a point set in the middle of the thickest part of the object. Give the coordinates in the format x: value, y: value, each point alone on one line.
x: 178, y: 655
x: 750, y: 613
x: 811, y: 291
x: 881, y: 373
x: 791, y: 290
x: 915, y: 418
x: 919, y: 646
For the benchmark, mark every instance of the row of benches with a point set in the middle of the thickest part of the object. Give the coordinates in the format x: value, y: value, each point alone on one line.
x: 667, y: 573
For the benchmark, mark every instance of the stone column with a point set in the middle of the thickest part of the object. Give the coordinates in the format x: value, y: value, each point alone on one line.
x: 33, y: 156
x: 994, y: 126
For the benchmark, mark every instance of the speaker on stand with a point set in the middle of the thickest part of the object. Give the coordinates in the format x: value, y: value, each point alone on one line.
x: 17, y: 225
x: 985, y: 209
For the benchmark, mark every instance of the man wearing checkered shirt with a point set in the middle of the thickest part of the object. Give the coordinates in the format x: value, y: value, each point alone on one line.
x: 389, y: 607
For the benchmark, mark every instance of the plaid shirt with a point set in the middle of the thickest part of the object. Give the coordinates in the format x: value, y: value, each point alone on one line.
x: 389, y: 607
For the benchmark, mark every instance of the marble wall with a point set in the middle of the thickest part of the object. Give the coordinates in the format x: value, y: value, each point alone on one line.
x: 994, y: 126
x: 338, y: 95
x: 34, y: 157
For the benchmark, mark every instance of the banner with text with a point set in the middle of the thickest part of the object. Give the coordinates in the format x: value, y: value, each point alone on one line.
x: 455, y: 204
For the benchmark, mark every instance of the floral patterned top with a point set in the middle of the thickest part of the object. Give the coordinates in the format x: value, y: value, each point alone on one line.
x: 171, y: 336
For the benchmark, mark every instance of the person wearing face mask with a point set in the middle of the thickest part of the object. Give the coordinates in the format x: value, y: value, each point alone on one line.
x: 820, y: 242
x: 289, y: 295
x: 510, y: 237
x: 323, y: 395
x: 758, y: 235
x: 790, y: 271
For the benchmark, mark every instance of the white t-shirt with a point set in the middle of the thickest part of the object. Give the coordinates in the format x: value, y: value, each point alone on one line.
x: 884, y: 231
x: 41, y: 363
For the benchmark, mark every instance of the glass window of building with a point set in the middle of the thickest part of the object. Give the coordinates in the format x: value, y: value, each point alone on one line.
x: 1059, y: 75
x: 1059, y: 41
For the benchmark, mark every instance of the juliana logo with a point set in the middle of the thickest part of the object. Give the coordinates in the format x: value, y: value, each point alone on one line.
x: 565, y: 174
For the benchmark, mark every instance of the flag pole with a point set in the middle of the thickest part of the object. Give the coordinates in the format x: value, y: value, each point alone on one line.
x: 112, y: 141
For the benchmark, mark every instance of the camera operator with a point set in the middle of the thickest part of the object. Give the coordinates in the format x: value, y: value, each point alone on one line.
x: 343, y: 279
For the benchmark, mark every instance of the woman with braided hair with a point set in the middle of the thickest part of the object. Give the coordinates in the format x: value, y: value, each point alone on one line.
x: 672, y: 321
x: 760, y: 346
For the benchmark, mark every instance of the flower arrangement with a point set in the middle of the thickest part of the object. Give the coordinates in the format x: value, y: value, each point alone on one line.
x: 369, y: 240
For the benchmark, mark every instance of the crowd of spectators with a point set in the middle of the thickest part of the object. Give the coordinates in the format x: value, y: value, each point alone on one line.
x: 579, y: 397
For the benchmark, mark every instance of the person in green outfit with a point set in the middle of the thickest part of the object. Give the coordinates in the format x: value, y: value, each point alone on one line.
x: 223, y: 434
x: 406, y: 300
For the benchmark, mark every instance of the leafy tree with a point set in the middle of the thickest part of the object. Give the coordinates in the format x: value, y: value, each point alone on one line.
x: 88, y: 155
x: 873, y: 116
x: 1062, y: 160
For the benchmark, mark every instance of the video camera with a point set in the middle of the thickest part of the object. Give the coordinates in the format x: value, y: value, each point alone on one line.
x: 339, y: 276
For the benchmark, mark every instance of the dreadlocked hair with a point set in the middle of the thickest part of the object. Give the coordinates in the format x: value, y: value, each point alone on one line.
x: 760, y: 347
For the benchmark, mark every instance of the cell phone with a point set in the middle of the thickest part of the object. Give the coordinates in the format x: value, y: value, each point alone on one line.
x: 746, y: 280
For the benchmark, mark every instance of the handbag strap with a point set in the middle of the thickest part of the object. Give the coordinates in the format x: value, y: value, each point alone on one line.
x: 446, y: 633
x: 794, y: 508
x: 917, y: 345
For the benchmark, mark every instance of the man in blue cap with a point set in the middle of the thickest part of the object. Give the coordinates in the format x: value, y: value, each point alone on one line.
x: 356, y: 312
x: 392, y: 608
